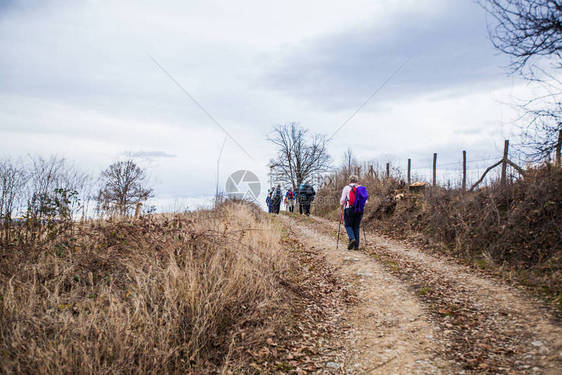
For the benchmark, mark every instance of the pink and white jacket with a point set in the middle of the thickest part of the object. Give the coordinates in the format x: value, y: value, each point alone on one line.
x: 345, y: 195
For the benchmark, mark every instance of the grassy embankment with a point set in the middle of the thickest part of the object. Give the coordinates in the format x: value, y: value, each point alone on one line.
x: 203, y: 292
x: 512, y: 230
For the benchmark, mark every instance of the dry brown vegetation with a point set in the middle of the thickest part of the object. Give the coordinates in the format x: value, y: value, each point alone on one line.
x: 514, y: 229
x: 226, y: 291
x: 163, y: 294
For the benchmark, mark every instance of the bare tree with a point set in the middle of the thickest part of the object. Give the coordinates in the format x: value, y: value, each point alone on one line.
x: 526, y: 29
x: 530, y: 32
x: 123, y: 185
x: 53, y: 188
x: 300, y: 155
x: 542, y: 123
x: 12, y: 181
x: 349, y: 160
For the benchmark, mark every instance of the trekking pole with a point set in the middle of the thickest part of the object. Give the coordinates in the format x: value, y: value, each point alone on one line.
x: 364, y: 234
x: 339, y: 227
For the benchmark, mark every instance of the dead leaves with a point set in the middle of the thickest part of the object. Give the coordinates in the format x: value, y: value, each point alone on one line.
x: 482, y: 337
x: 308, y: 336
x: 478, y: 336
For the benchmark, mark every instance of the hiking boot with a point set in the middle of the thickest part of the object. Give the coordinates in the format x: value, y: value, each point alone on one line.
x: 351, y: 245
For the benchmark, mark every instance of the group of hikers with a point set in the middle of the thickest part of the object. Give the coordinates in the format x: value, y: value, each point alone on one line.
x: 352, y: 205
x: 303, y: 196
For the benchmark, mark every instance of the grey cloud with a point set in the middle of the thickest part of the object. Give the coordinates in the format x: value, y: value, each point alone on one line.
x: 449, y: 50
x: 13, y: 5
x: 76, y: 77
x: 98, y: 64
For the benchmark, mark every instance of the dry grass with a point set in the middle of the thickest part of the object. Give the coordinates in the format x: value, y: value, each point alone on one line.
x: 165, y: 294
x: 514, y: 229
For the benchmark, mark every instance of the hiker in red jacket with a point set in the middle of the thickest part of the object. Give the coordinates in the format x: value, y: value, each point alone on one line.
x: 353, y: 199
x: 290, y: 200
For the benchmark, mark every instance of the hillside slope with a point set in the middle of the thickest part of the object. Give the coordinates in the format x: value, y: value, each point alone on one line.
x: 219, y: 291
x: 237, y: 291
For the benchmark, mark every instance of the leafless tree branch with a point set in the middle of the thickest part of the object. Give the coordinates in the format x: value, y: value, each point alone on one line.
x: 299, y: 154
x: 123, y: 185
x: 530, y: 32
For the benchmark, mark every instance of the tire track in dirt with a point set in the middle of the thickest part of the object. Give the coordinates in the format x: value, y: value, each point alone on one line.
x: 390, y: 331
x: 486, y: 326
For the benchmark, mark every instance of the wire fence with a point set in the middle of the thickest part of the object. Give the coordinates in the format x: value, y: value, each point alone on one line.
x: 464, y: 173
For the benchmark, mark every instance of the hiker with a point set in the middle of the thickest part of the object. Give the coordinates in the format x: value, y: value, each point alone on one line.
x: 276, y: 199
x: 290, y: 200
x: 268, y: 201
x: 305, y: 196
x: 353, y: 199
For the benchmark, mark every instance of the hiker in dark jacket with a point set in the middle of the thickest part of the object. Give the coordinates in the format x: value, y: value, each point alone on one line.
x: 276, y: 199
x: 305, y: 196
x: 353, y: 199
x: 268, y: 201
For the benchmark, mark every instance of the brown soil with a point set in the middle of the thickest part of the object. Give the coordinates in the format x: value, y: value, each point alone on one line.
x: 418, y: 314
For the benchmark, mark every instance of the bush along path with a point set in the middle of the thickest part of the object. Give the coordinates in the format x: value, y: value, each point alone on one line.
x: 420, y: 314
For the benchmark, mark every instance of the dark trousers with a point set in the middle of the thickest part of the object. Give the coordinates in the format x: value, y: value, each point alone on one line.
x: 276, y: 203
x: 304, y: 207
x: 352, y: 222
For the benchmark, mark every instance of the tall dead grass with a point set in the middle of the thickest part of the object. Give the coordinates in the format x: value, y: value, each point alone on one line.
x: 161, y: 295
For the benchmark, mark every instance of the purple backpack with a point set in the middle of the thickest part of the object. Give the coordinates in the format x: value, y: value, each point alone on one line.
x: 361, y: 197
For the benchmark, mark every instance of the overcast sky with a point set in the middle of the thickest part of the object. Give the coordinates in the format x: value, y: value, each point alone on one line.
x: 77, y: 80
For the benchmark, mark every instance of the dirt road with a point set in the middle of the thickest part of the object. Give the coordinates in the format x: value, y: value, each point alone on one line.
x: 417, y: 314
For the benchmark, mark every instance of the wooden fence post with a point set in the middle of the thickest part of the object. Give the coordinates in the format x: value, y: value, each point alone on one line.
x: 504, y: 161
x: 409, y: 171
x: 464, y: 171
x: 558, y: 146
x: 434, y: 169
x: 387, y: 170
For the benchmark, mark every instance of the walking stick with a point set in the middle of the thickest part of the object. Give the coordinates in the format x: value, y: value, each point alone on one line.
x: 339, y: 227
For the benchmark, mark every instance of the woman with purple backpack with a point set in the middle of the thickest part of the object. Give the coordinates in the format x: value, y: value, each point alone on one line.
x: 353, y: 199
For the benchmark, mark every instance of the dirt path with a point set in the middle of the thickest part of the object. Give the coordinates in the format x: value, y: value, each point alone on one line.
x: 420, y: 314
x: 390, y: 332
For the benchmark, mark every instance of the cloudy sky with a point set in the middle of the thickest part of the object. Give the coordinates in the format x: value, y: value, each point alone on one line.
x: 81, y: 80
